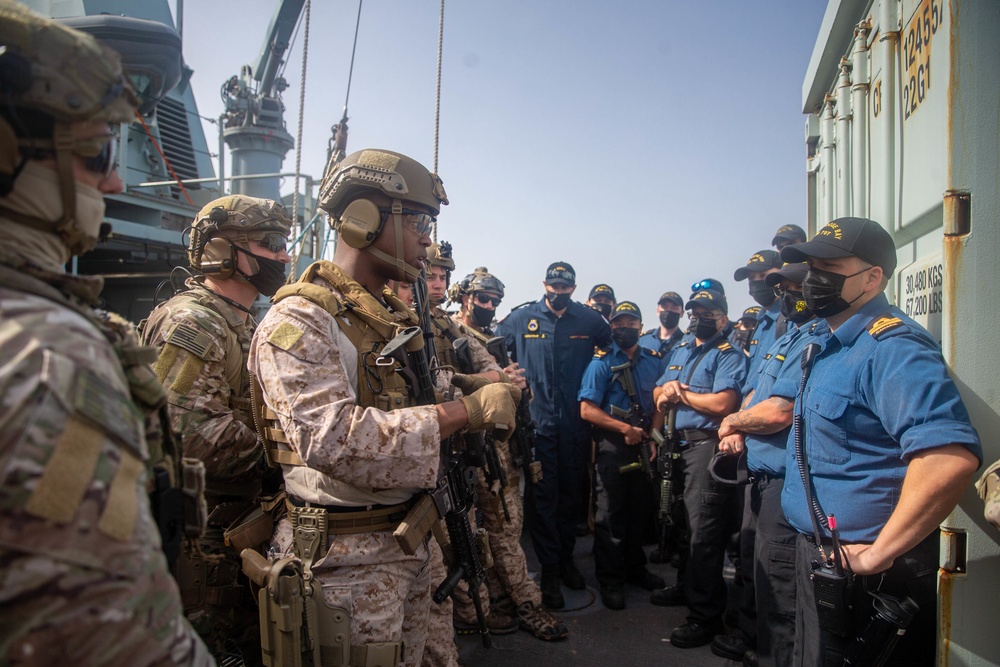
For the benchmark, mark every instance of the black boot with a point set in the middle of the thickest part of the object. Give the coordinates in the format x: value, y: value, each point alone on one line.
x: 552, y: 596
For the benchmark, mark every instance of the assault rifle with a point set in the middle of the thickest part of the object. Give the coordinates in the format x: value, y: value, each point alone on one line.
x: 455, y: 494
x: 522, y: 441
x: 482, y: 447
x: 634, y: 416
x: 669, y: 452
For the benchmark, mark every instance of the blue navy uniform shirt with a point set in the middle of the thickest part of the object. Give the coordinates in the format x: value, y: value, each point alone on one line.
x: 724, y: 367
x: 603, y: 388
x: 763, y: 337
x: 663, y: 346
x: 554, y: 353
x: 879, y: 393
x: 780, y: 375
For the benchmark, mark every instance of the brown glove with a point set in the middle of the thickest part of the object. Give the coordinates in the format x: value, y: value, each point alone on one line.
x: 493, y: 407
x: 468, y: 384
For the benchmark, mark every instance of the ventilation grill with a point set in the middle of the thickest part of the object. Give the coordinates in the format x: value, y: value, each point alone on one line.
x: 175, y: 139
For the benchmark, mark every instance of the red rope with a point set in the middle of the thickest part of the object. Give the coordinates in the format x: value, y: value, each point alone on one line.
x: 165, y: 160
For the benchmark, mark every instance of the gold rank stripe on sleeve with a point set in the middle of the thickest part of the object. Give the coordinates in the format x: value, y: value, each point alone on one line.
x: 882, y: 324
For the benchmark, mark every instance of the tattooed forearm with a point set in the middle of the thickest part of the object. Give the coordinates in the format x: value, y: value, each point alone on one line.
x: 767, y: 417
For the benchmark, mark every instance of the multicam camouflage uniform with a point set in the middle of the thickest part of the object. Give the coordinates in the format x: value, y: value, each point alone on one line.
x: 357, y: 452
x: 85, y: 580
x: 203, y: 344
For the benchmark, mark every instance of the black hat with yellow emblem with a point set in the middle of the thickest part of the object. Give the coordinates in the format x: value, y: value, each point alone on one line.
x: 848, y: 237
x: 626, y: 308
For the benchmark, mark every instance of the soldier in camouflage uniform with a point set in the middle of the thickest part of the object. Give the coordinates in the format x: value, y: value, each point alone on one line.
x: 85, y: 579
x: 353, y: 447
x: 511, y: 589
x: 441, y: 650
x: 203, y: 335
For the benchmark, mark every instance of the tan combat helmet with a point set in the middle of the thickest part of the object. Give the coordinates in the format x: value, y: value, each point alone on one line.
x: 356, y: 191
x: 235, y: 218
x: 51, y: 77
x: 439, y: 254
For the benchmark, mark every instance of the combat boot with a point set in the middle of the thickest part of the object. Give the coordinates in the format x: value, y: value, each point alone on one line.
x: 552, y: 596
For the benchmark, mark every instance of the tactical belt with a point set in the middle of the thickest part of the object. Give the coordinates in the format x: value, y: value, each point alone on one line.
x: 352, y: 520
x: 224, y: 514
x: 698, y: 434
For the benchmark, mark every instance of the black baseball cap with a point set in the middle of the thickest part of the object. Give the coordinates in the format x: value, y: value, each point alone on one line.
x: 709, y: 298
x: 626, y: 308
x: 795, y: 273
x: 672, y: 297
x: 762, y: 260
x: 750, y: 313
x: 848, y: 237
x: 604, y: 290
x: 787, y: 233
x: 560, y: 273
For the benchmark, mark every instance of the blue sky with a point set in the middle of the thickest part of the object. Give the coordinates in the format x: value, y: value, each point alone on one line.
x: 649, y: 144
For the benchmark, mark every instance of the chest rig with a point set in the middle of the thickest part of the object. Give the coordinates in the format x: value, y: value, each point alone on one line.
x: 368, y: 325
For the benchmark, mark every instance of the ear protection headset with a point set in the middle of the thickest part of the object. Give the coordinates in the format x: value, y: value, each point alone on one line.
x: 214, y: 255
x: 360, y: 223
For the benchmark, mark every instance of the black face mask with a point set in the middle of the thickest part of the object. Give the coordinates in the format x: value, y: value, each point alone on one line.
x: 669, y: 320
x: 270, y: 274
x: 625, y: 337
x: 761, y: 293
x: 483, y: 317
x: 603, y: 309
x: 557, y: 301
x: 742, y: 337
x: 821, y: 291
x: 704, y: 329
x: 793, y: 307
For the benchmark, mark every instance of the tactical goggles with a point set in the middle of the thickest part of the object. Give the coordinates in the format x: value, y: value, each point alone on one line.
x: 419, y: 222
x: 486, y: 298
x: 105, y: 162
x: 273, y: 241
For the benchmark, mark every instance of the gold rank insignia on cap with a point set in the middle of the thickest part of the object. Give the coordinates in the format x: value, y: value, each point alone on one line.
x: 532, y: 325
x: 832, y: 229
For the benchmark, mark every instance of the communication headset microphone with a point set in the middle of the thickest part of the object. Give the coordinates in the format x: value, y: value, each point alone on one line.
x: 215, y: 255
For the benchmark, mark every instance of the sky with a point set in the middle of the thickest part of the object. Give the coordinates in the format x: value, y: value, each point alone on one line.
x: 648, y: 143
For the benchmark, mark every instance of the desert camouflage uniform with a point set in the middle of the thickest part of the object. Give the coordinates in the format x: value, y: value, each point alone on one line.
x: 203, y: 343
x: 509, y: 575
x: 441, y: 650
x: 85, y: 580
x: 354, y: 456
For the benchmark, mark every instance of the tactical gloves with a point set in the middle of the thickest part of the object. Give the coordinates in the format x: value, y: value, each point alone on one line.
x: 491, y: 407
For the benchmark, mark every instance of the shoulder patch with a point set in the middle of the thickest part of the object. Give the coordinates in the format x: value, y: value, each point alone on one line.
x: 190, y: 338
x: 883, y: 324
x: 285, y: 336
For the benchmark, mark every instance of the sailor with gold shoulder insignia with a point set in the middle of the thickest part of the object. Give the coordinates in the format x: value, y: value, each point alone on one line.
x: 888, y: 446
x: 237, y: 246
x: 85, y: 579
x: 553, y: 340
x: 665, y: 337
x: 702, y: 383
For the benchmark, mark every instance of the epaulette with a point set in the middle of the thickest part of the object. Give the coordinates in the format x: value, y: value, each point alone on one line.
x: 683, y: 344
x: 815, y: 324
x: 601, y: 352
x: 724, y: 346
x: 882, y: 324
x: 648, y: 331
x: 652, y: 353
x: 526, y: 303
